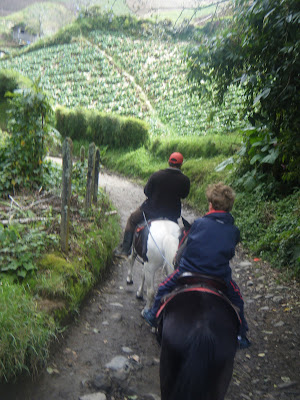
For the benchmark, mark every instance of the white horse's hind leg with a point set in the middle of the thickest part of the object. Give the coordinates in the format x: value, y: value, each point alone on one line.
x: 140, y: 291
x: 131, y: 260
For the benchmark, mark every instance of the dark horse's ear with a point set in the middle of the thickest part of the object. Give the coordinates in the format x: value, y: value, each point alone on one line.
x: 186, y: 224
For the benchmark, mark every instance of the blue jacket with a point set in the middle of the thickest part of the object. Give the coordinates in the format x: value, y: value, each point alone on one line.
x: 211, y: 245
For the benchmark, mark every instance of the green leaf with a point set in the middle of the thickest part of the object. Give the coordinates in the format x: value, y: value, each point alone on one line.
x: 224, y: 164
x: 22, y: 273
x: 12, y: 266
x: 29, y: 266
x: 257, y: 157
x: 271, y: 157
x: 264, y: 94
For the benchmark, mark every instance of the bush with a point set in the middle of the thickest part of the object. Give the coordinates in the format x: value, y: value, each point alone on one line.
x: 71, y: 123
x: 270, y: 229
x: 21, y: 160
x: 135, y: 132
x: 103, y: 129
x: 197, y: 147
x: 11, y: 80
x: 8, y: 82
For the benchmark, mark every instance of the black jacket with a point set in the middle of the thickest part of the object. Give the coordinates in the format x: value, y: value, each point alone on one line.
x: 164, y: 191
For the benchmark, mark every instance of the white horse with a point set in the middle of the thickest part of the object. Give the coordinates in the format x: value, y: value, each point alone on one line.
x: 162, y: 245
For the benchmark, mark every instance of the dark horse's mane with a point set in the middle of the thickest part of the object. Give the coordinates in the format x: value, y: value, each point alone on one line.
x: 199, y: 341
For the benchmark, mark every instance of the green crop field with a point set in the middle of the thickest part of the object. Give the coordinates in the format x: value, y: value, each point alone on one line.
x: 130, y: 75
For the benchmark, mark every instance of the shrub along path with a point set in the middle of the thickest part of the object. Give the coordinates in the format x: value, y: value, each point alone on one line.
x: 111, y: 351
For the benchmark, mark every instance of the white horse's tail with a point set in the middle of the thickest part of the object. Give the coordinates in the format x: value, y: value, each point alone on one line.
x: 170, y: 246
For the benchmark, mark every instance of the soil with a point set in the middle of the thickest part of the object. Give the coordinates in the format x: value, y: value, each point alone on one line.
x: 110, y: 325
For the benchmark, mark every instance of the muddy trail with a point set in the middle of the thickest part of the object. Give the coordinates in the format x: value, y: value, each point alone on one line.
x: 109, y: 352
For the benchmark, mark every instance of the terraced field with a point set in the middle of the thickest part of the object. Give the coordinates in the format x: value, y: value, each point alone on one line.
x: 130, y: 75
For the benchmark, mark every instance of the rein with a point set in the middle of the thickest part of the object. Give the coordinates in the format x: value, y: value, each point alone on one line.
x: 163, y: 257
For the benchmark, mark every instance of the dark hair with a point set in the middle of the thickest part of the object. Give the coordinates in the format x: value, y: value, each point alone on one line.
x: 175, y: 165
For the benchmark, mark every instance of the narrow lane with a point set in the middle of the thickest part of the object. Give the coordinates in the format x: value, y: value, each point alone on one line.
x: 110, y: 326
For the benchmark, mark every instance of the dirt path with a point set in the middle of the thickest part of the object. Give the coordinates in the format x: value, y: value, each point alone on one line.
x: 111, y: 353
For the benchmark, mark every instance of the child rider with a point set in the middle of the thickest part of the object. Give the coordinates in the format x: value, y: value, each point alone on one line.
x: 210, y: 246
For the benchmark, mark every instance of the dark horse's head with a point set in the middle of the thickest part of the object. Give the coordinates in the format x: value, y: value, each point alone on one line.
x: 198, y: 346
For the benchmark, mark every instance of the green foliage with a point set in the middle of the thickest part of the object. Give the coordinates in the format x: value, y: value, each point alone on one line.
x: 11, y: 80
x: 133, y: 133
x: 20, y: 248
x: 261, y: 152
x: 21, y: 160
x: 270, y: 229
x: 138, y: 163
x: 58, y: 278
x: 100, y: 241
x: 103, y: 129
x: 196, y: 147
x: 25, y: 333
x: 79, y: 173
x: 70, y: 280
x: 48, y: 278
x: 3, y: 138
x: 8, y: 82
x: 71, y: 123
x: 260, y: 52
x: 3, y: 116
x: 52, y: 175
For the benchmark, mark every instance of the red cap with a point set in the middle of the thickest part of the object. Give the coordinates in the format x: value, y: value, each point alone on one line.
x: 176, y: 158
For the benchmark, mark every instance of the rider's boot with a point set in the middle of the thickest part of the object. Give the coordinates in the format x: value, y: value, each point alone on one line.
x: 243, y: 342
x: 125, y: 249
x: 149, y: 317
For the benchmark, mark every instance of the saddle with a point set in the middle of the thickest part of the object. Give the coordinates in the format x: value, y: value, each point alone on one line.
x: 192, y: 281
x: 194, y: 278
x: 141, y: 233
x: 140, y: 240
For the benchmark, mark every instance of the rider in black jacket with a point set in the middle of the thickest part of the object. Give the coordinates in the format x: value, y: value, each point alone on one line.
x: 164, y: 191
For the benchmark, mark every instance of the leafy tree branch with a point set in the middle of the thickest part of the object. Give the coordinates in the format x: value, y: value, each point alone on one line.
x: 259, y: 52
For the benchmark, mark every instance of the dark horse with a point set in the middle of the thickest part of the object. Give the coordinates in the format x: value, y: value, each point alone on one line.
x: 198, y: 345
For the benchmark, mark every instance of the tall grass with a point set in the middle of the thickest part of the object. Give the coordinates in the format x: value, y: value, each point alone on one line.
x: 25, y: 333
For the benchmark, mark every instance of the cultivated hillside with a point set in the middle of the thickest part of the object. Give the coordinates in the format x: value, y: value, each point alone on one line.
x: 137, y: 72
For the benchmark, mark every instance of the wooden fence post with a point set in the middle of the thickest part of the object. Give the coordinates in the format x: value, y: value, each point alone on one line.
x: 66, y: 193
x: 96, y: 176
x: 82, y: 154
x: 90, y: 173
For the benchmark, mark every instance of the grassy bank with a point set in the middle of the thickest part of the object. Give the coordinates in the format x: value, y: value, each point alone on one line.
x: 40, y: 287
